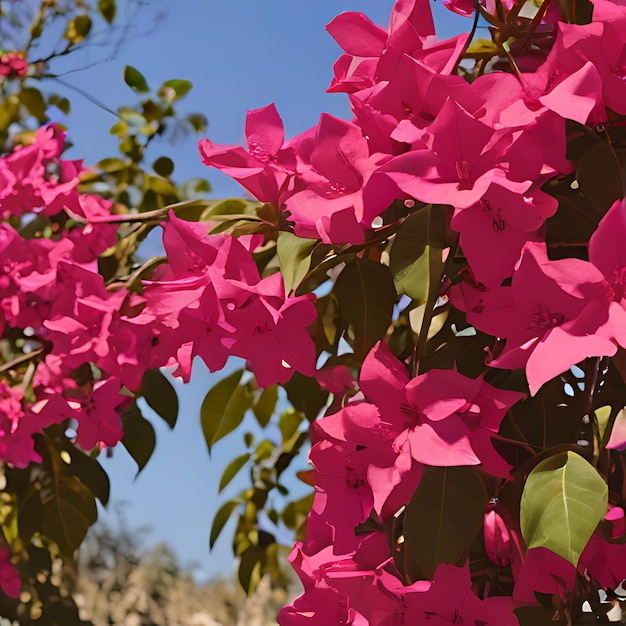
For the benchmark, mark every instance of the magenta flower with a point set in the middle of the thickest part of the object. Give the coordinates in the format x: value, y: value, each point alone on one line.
x: 439, y: 418
x: 539, y: 315
x: 461, y: 7
x: 10, y: 581
x: 454, y: 161
x: 501, y: 224
x: 335, y: 168
x: 261, y: 168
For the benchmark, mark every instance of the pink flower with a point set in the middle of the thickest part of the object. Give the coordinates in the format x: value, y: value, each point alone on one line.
x: 541, y: 315
x: 12, y: 64
x: 461, y: 7
x: 335, y: 167
x: 10, y: 581
x: 265, y: 166
x: 454, y: 161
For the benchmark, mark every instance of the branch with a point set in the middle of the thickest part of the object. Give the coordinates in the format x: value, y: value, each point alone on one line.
x: 20, y: 359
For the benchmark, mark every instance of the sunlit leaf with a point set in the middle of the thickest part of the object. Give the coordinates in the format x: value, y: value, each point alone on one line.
x: 289, y: 422
x: 563, y: 501
x: 232, y: 469
x: 173, y: 89
x: 220, y: 519
x: 294, y: 256
x: 265, y: 405
x: 224, y: 408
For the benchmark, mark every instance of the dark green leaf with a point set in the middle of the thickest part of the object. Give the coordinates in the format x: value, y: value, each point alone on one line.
x: 563, y: 501
x: 306, y: 395
x: 135, y: 79
x: 294, y: 256
x: 139, y: 438
x: 224, y: 408
x: 220, y: 519
x: 163, y: 166
x: 68, y: 506
x: 87, y: 469
x: 107, y: 9
x: 265, y: 406
x: 443, y: 516
x: 600, y: 177
x: 366, y: 294
x: 232, y: 469
x: 251, y: 568
x: 160, y: 396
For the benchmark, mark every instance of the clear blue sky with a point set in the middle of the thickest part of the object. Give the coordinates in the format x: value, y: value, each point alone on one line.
x: 239, y: 55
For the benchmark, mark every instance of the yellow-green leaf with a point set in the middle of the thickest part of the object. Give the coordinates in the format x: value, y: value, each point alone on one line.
x: 563, y: 501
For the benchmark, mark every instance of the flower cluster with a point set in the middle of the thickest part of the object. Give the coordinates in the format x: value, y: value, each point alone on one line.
x: 486, y: 148
x: 210, y: 301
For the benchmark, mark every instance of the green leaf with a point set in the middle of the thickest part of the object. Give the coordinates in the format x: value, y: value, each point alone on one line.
x: 600, y: 178
x: 135, y: 79
x: 232, y: 469
x: 63, y: 104
x: 160, y: 396
x: 163, y: 166
x: 603, y: 415
x: 563, y: 501
x: 265, y: 406
x: 264, y: 451
x: 120, y: 129
x: 87, y: 469
x: 220, y: 519
x: 294, y: 256
x: 107, y: 9
x: 366, y: 295
x: 110, y: 165
x: 77, y: 29
x: 32, y: 100
x: 198, y: 122
x: 139, y: 438
x: 251, y: 564
x: 68, y: 506
x: 443, y: 516
x: 174, y: 89
x: 413, y: 280
x: 306, y: 395
x: 289, y: 422
x: 224, y: 408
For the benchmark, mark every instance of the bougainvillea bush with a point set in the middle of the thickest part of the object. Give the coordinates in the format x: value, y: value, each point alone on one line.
x: 436, y: 288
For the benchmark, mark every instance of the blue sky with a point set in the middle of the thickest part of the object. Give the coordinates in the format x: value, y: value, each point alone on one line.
x: 239, y: 55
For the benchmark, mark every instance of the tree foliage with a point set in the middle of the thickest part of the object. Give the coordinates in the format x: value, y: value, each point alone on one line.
x: 429, y: 298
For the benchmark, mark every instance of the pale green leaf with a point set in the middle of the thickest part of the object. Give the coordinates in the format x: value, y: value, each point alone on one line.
x: 563, y: 501
x: 294, y: 256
